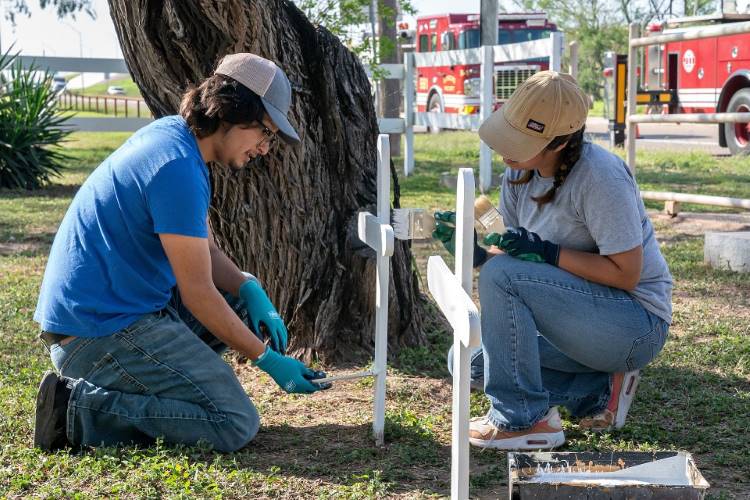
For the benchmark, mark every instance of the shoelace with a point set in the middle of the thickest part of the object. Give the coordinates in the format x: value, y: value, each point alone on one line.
x: 495, y: 431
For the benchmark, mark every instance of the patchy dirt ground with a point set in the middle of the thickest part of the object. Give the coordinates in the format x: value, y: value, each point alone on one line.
x: 330, y: 432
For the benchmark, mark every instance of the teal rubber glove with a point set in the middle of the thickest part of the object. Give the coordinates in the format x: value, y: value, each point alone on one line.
x: 525, y: 245
x: 290, y: 374
x: 261, y: 313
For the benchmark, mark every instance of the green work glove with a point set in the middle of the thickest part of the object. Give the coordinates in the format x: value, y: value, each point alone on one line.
x: 445, y: 229
x: 525, y: 245
x: 292, y: 375
x: 261, y: 313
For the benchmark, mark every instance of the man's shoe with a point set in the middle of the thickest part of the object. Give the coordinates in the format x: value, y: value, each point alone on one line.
x: 543, y: 435
x: 613, y: 416
x: 51, y: 413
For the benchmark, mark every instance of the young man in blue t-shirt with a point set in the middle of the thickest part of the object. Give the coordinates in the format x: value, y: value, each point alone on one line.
x: 131, y: 305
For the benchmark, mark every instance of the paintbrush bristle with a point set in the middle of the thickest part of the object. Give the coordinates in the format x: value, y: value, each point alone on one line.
x: 412, y: 223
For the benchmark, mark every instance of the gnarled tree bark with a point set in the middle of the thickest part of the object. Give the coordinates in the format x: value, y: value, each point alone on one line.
x: 291, y: 218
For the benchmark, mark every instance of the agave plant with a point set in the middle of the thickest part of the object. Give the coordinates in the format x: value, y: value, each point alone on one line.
x: 31, y: 128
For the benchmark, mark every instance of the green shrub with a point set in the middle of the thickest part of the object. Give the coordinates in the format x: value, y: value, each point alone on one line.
x: 30, y: 126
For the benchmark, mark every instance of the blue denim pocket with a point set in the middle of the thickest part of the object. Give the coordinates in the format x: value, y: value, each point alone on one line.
x: 109, y: 374
x: 646, y: 348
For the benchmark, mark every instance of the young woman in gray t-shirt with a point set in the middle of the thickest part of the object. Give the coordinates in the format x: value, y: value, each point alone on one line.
x: 575, y: 295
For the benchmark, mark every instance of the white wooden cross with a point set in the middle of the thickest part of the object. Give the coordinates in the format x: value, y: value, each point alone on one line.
x: 452, y: 292
x: 377, y: 233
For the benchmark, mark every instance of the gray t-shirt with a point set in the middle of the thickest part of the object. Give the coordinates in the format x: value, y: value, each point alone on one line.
x: 597, y: 209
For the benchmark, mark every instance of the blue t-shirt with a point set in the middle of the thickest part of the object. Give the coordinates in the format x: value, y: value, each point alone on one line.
x: 107, y: 266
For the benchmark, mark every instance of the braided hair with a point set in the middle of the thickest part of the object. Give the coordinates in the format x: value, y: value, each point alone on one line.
x: 569, y: 156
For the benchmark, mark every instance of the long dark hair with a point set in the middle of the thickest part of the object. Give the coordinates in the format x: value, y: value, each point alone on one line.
x: 569, y: 156
x: 219, y: 99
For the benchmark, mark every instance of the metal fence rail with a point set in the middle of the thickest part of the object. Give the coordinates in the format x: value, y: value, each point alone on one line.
x: 635, y: 41
x: 486, y: 56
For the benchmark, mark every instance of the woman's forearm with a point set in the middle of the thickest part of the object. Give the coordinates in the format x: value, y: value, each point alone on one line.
x: 599, y: 268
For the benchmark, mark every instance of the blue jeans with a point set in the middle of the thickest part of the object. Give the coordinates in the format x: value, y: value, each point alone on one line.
x: 162, y: 376
x: 551, y: 338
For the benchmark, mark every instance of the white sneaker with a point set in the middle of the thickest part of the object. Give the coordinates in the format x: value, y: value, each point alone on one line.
x: 543, y: 435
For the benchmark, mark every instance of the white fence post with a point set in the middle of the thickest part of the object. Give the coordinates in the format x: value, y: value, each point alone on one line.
x: 487, y: 103
x: 409, y: 95
x: 452, y: 294
x: 634, y: 32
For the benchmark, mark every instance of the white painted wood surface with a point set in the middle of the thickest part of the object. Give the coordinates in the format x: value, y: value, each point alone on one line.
x: 453, y: 295
x: 377, y: 233
x: 381, y: 301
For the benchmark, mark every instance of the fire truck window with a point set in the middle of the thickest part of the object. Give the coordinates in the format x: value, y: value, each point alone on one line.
x: 424, y: 43
x: 518, y: 36
x: 468, y: 39
x: 433, y: 42
x: 448, y: 41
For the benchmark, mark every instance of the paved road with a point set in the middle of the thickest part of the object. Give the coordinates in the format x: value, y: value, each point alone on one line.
x: 684, y: 137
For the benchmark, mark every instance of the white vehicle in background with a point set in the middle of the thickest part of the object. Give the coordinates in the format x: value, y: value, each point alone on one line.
x: 59, y: 84
x: 115, y: 90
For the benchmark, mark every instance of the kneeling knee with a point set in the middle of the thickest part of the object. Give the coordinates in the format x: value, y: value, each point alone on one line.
x: 240, y: 427
x: 494, y: 273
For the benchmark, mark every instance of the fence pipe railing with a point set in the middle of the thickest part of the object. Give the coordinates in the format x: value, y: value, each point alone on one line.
x: 633, y: 119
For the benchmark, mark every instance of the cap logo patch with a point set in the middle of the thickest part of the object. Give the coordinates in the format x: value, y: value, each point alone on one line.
x: 535, y: 126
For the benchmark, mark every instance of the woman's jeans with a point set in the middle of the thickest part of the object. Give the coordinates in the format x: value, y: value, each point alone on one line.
x: 162, y: 376
x: 551, y: 338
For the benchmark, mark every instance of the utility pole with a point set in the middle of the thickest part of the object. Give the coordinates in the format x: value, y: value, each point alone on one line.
x: 80, y: 49
x: 488, y: 22
x: 2, y: 17
x: 488, y: 39
x: 390, y: 90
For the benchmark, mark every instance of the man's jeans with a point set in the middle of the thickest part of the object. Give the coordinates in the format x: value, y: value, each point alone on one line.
x: 162, y: 376
x: 551, y: 338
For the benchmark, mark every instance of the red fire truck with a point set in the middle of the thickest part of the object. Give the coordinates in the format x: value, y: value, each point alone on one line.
x: 455, y: 89
x: 703, y: 76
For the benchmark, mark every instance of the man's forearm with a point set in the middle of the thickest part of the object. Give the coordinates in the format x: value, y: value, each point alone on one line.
x: 213, y: 312
x: 225, y: 273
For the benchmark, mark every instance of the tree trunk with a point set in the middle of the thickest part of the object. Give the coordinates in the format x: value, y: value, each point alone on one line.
x: 291, y: 218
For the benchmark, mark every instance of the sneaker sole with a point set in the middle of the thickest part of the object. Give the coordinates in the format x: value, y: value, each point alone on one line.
x: 630, y: 384
x: 541, y: 441
x: 44, y: 425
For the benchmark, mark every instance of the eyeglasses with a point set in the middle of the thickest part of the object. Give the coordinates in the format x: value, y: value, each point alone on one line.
x: 268, y: 136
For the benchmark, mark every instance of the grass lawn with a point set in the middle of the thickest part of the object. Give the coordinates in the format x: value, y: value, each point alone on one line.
x: 694, y: 397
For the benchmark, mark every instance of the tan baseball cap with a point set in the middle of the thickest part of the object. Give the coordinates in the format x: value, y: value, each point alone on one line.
x: 268, y: 81
x: 547, y: 105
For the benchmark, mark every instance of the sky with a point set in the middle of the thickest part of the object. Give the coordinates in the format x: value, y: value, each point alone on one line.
x: 97, y: 38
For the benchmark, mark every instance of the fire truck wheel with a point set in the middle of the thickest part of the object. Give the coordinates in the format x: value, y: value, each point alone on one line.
x: 434, y: 106
x: 738, y: 134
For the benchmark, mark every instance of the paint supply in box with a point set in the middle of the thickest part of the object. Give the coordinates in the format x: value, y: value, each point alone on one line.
x: 595, y: 476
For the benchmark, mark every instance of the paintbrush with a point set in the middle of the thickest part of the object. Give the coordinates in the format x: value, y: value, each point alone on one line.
x: 418, y: 223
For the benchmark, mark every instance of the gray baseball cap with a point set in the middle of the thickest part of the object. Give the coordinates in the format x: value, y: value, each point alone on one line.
x: 268, y: 81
